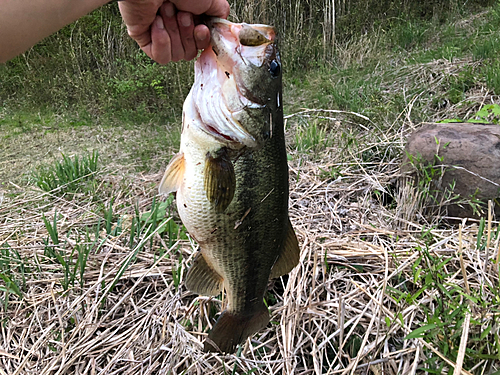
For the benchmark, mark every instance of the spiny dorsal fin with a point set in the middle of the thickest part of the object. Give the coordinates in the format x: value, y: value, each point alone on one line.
x: 173, y: 175
x: 289, y: 255
x: 203, y: 279
x: 220, y: 181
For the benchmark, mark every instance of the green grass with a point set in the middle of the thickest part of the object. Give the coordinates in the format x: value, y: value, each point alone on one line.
x: 410, y: 34
x: 134, y: 143
x: 381, y: 81
x: 12, y: 265
x: 73, y: 263
x: 492, y: 76
x: 68, y: 262
x: 442, y: 326
x: 486, y: 48
x: 70, y: 175
x: 311, y: 138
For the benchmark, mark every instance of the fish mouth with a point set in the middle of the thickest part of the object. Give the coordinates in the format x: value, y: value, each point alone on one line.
x: 240, y: 42
x: 247, y: 35
x: 217, y: 104
x: 221, y: 93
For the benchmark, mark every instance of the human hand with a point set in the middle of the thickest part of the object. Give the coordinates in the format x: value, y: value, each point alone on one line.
x: 166, y: 30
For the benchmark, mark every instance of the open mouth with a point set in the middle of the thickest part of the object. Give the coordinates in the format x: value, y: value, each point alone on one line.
x: 211, y: 97
x: 220, y: 95
x: 247, y: 35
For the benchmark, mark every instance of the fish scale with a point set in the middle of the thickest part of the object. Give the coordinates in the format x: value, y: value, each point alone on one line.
x: 231, y: 178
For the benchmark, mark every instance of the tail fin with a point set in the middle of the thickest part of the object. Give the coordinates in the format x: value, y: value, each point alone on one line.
x: 232, y: 329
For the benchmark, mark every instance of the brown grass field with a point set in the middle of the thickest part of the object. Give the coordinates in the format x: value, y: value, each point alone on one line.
x: 386, y: 284
x: 335, y: 313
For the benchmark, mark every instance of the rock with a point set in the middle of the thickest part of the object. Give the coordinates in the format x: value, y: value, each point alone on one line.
x: 471, y: 154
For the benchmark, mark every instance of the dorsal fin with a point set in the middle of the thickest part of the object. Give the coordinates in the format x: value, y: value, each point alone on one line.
x: 173, y: 175
x: 289, y: 255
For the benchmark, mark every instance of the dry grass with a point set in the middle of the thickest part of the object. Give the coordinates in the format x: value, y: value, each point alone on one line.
x: 43, y: 144
x: 346, y: 309
x: 333, y: 314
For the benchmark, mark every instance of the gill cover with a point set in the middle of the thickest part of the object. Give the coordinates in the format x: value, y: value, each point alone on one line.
x: 237, y: 84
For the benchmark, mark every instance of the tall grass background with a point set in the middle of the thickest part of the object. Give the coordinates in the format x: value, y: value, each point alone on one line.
x: 92, y: 67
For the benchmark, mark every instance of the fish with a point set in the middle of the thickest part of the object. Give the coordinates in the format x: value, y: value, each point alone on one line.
x: 230, y: 178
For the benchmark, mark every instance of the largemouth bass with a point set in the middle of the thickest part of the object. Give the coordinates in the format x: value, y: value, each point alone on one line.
x: 231, y: 178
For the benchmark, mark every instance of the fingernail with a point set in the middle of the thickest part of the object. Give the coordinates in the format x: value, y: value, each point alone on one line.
x: 159, y: 23
x: 169, y: 10
x: 185, y: 20
x: 201, y: 36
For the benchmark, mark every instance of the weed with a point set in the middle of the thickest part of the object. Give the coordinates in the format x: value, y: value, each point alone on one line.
x: 57, y: 253
x: 332, y: 173
x: 487, y: 114
x: 83, y: 251
x: 492, y: 75
x: 310, y: 138
x: 410, y: 34
x: 108, y: 217
x: 7, y: 269
x: 10, y: 287
x: 11, y: 263
x: 133, y: 254
x: 158, y: 212
x: 152, y: 220
x: 71, y: 175
x: 52, y: 229
x: 445, y: 313
x: 459, y: 85
x: 487, y: 48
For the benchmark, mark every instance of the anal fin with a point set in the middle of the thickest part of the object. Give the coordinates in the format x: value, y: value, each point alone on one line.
x: 220, y: 180
x: 203, y: 279
x: 233, y: 329
x: 173, y: 175
x: 289, y: 255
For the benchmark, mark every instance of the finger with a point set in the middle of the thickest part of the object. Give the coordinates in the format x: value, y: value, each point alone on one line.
x: 172, y: 28
x: 142, y: 39
x: 186, y: 28
x: 201, y: 36
x: 160, y: 42
x: 137, y: 27
x: 219, y: 8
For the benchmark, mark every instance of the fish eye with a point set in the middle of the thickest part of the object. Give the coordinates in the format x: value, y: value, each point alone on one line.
x: 274, y: 68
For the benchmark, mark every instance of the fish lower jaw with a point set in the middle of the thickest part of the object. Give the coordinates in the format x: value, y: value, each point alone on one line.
x: 229, y: 139
x: 230, y: 133
x: 223, y: 138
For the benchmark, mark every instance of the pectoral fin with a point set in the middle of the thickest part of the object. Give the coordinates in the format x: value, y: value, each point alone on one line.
x: 289, y: 256
x: 220, y: 181
x: 203, y: 279
x: 172, y: 178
